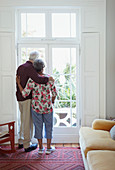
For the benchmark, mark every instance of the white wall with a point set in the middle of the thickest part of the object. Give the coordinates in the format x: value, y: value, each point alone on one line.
x: 47, y: 2
x: 92, y: 21
x: 110, y: 58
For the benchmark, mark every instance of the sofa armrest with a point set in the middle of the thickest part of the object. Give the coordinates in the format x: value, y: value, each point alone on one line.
x: 102, y: 124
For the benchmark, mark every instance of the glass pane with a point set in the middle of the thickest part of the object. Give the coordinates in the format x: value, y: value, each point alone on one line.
x: 62, y: 114
x: 73, y: 25
x: 73, y: 60
x: 26, y: 51
x: 63, y: 25
x: 73, y: 85
x: 63, y: 86
x: 23, y: 25
x: 64, y: 72
x: 74, y: 117
x: 23, y: 55
x: 64, y: 60
x: 60, y: 60
x: 60, y: 104
x: 33, y: 25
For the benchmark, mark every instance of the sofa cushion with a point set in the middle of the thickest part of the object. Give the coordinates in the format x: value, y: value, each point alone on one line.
x: 102, y: 124
x: 112, y: 132
x: 91, y: 139
x: 102, y: 160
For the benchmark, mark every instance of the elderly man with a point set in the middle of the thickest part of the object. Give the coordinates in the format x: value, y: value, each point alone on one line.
x: 43, y: 97
x: 26, y: 71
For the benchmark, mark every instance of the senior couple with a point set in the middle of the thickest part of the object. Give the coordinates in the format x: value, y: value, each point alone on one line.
x: 36, y: 94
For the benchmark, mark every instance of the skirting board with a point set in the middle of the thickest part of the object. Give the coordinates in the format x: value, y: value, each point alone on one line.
x: 57, y: 139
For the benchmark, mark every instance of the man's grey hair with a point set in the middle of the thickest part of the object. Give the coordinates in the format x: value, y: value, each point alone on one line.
x: 39, y: 65
x: 33, y: 55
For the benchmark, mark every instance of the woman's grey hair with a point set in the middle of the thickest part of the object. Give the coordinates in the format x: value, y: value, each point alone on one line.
x: 33, y: 55
x: 39, y: 65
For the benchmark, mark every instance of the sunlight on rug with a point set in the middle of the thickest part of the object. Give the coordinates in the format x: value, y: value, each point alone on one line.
x: 64, y: 158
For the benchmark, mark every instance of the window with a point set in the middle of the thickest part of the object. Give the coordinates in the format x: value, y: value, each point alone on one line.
x: 56, y: 36
x: 32, y: 25
x: 64, y: 25
x: 64, y: 72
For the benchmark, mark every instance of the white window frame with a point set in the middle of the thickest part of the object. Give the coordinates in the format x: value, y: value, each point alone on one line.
x: 48, y: 29
x: 36, y: 45
x: 49, y: 42
x: 77, y: 74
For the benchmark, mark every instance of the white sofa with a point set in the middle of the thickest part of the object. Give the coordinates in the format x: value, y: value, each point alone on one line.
x: 97, y: 146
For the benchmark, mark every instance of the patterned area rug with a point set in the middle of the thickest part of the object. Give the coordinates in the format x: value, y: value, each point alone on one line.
x: 64, y: 158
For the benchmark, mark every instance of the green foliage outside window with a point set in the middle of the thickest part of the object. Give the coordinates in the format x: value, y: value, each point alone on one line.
x: 66, y: 87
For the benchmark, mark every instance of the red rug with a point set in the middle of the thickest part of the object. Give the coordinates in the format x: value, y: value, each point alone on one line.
x: 64, y: 158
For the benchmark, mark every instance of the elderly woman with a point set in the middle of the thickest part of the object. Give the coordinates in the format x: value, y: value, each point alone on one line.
x: 42, y: 110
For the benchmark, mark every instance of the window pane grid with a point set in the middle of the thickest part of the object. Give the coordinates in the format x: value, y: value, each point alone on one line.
x: 65, y: 78
x: 26, y: 51
x: 33, y: 25
x: 63, y: 25
x: 59, y: 25
x: 67, y: 86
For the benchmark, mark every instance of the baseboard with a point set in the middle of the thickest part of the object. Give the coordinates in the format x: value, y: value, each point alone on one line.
x: 57, y: 139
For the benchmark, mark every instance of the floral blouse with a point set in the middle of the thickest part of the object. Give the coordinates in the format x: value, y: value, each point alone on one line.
x: 41, y: 95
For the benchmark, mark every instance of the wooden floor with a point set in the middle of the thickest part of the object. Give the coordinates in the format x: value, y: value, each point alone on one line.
x: 64, y: 144
x: 57, y: 144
